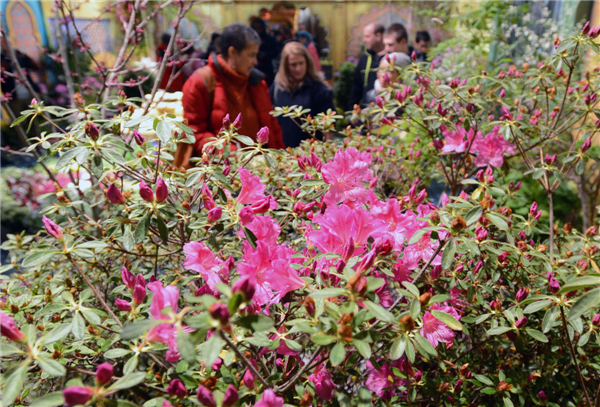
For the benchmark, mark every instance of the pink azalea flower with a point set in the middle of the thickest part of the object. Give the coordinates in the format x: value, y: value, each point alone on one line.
x: 491, y: 149
x: 346, y: 174
x: 434, y: 330
x: 455, y: 140
x: 269, y: 399
x: 201, y: 259
x: 9, y: 328
x: 324, y: 384
x: 264, y: 228
x: 269, y: 267
x: 252, y: 188
x: 339, y: 224
x: 383, y: 381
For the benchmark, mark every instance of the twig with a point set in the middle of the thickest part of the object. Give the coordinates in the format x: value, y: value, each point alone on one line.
x: 575, y: 362
x: 243, y: 358
x: 307, y: 366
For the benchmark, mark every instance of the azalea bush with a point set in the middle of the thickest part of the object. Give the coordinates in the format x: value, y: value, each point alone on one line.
x: 322, y: 275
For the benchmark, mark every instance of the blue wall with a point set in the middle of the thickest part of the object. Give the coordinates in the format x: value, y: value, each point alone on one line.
x: 36, y: 7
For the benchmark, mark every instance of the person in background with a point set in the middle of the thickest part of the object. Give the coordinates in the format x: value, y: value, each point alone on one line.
x: 229, y: 84
x: 397, y: 59
x: 422, y: 42
x: 173, y: 77
x: 298, y: 83
x: 365, y: 73
x: 305, y: 38
x: 268, y: 51
x: 395, y: 39
x: 214, y: 46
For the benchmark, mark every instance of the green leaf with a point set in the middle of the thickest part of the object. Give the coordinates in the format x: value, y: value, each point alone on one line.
x: 417, y: 236
x: 549, y: 319
x: 92, y: 317
x: 447, y: 319
x: 338, y: 354
x: 114, y: 156
x: 537, y: 335
x: 320, y: 339
x: 363, y: 348
x: 49, y: 400
x: 498, y: 330
x: 128, y: 381
x: 116, y: 353
x: 6, y: 349
x: 508, y: 402
x: 536, y: 306
x: 256, y: 323
x: 579, y: 283
x: 162, y: 228
x: 37, y: 258
x: 424, y: 345
x: 328, y: 292
x: 67, y: 157
x: 212, y: 348
x: 473, y: 215
x: 250, y: 236
x: 497, y: 221
x: 141, y: 230
x: 56, y: 334
x: 448, y: 254
x: 16, y: 379
x: 410, y: 351
x: 245, y: 139
x: 585, y: 302
x: 78, y: 326
x: 135, y: 330
x: 398, y: 347
x: 484, y: 380
x: 51, y: 367
x: 379, y: 312
x: 127, y: 239
x: 163, y: 131
x: 131, y: 364
x: 185, y: 346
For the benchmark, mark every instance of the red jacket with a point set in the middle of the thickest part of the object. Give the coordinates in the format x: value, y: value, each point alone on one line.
x: 206, y: 122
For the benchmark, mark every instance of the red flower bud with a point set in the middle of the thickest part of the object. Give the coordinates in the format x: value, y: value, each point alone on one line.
x: 139, y: 294
x: 9, y: 329
x: 214, y: 214
x: 52, y: 228
x: 146, y: 192
x: 220, y: 312
x: 128, y: 278
x: 262, y: 205
x: 521, y: 322
x: 138, y: 137
x: 263, y: 135
x: 245, y: 286
x: 91, y: 130
x: 226, y: 121
x: 237, y: 123
x: 176, y: 388
x: 114, y: 195
x: 123, y: 305
x: 76, y: 395
x: 205, y: 397
x: 231, y: 396
x: 162, y: 191
x: 104, y: 373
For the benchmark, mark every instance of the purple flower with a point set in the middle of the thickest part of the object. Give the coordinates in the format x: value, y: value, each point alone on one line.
x: 542, y: 395
x: 77, y: 395
x: 104, y: 373
x: 52, y: 228
x: 114, y: 195
x: 176, y: 388
x: 122, y: 305
x: 146, y: 192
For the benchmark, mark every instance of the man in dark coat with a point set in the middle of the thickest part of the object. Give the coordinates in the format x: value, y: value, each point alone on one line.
x: 366, y: 70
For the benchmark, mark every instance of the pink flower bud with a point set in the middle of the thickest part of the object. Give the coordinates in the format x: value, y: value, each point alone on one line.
x: 162, y: 190
x: 522, y: 294
x: 138, y: 137
x: 348, y: 249
x: 128, y: 278
x: 226, y: 170
x: 586, y: 28
x: 104, y: 373
x: 478, y: 267
x: 420, y: 197
x: 596, y: 320
x: 122, y: 305
x: 231, y: 396
x: 413, y: 56
x: 214, y: 214
x: 249, y: 379
x: 506, y: 113
x: 52, y: 228
x: 521, y: 322
x: 246, y: 215
x: 205, y: 397
x: 586, y: 145
x: 379, y: 102
x: 139, y: 294
x: 77, y: 395
x: 114, y: 195
x: 245, y: 286
x: 296, y: 193
x: 262, y: 205
x: 91, y: 130
x: 550, y: 159
x: 383, y: 245
x: 207, y: 199
x: 542, y: 395
x: 315, y: 161
x: 176, y: 388
x: 146, y: 192
x: 237, y: 123
x: 367, y: 261
x: 480, y: 233
x: 385, y: 121
x: 436, y: 272
x: 553, y: 285
x: 140, y: 280
x: 533, y: 209
x: 302, y: 162
x: 263, y: 135
x: 34, y: 102
x: 220, y: 312
x: 502, y: 94
x: 9, y: 329
x: 226, y: 121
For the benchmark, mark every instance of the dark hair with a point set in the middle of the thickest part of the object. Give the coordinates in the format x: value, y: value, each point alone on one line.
x: 165, y: 38
x: 398, y: 30
x: 238, y: 36
x: 422, y: 36
x: 378, y: 28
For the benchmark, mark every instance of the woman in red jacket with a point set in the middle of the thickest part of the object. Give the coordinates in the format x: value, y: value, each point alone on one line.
x: 229, y: 84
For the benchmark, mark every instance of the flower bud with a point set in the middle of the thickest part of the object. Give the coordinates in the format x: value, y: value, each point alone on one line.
x: 139, y: 294
x: 309, y: 304
x: 542, y: 395
x: 214, y: 214
x: 128, y: 278
x: 306, y: 400
x: 220, y: 312
x: 348, y: 249
x: 408, y: 322
x: 262, y: 205
x: 586, y: 145
x: 458, y: 224
x: 237, y: 123
x: 52, y: 228
x: 91, y: 130
x: 246, y: 216
x: 140, y: 280
x: 596, y: 320
x: 522, y: 294
x: 424, y: 299
x: 162, y: 190
x: 383, y: 245
x: 263, y: 135
x: 413, y: 56
x: 379, y: 102
x: 245, y: 286
x: 231, y: 396
x: 367, y: 261
x: 249, y: 379
x: 586, y: 28
x: 114, y: 195
x: 176, y: 388
x: 226, y: 170
x: 123, y: 305
x: 205, y: 397
x: 553, y: 285
x: 458, y: 385
x: 521, y: 322
x: 104, y: 373
x: 146, y: 192
x: 533, y: 208
x: 77, y: 395
x: 550, y: 159
x: 138, y: 137
x: 9, y: 329
x: 226, y: 121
